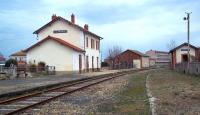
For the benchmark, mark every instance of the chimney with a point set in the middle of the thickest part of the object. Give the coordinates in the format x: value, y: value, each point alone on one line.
x: 53, y: 17
x: 73, y: 18
x: 86, y: 27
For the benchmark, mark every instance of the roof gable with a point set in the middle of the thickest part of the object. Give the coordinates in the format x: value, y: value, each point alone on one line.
x: 20, y: 53
x: 184, y: 44
x: 62, y: 42
x: 136, y: 52
x: 68, y: 22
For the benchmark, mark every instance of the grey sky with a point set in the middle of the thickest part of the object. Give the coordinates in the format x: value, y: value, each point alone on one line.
x: 134, y: 24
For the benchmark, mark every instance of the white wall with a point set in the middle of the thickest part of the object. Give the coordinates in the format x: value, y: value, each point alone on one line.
x: 75, y: 37
x: 179, y: 53
x: 76, y: 61
x: 92, y: 52
x: 145, y: 61
x: 54, y: 54
x: 137, y: 63
x: 19, y: 58
x: 72, y: 36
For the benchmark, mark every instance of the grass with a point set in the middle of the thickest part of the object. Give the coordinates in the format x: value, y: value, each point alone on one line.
x: 132, y: 100
x: 177, y: 93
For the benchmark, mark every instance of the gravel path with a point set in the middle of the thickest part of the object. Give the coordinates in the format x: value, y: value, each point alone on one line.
x: 85, y: 102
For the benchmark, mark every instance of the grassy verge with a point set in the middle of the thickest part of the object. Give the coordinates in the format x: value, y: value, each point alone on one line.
x: 131, y: 100
x: 176, y: 93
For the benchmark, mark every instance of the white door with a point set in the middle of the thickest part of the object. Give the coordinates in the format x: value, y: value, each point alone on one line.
x: 136, y: 63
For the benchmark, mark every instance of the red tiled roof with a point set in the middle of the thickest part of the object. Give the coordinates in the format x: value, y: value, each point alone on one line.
x: 20, y: 53
x: 64, y: 43
x: 70, y: 23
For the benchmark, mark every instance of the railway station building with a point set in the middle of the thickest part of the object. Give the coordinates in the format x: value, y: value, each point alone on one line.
x: 66, y: 45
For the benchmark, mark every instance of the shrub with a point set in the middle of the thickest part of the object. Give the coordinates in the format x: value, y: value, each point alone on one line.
x: 41, y: 66
x: 9, y: 62
x: 33, y: 68
x: 104, y: 64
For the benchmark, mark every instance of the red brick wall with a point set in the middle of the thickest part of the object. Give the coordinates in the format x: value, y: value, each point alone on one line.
x: 197, y: 55
x: 173, y: 60
x: 127, y: 57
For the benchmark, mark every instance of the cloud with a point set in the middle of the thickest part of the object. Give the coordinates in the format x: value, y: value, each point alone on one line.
x: 136, y: 24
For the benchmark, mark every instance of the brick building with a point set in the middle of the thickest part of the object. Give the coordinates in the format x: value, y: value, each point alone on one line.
x: 131, y: 59
x: 159, y: 58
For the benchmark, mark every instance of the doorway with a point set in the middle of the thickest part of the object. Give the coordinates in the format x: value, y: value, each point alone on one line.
x: 87, y: 63
x: 92, y: 63
x: 184, y: 58
x: 80, y: 63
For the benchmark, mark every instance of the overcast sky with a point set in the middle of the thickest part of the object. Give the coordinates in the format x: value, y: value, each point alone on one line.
x: 132, y: 24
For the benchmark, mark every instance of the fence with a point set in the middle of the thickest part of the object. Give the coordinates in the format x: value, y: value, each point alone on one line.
x: 12, y: 72
x: 194, y: 68
x: 8, y: 71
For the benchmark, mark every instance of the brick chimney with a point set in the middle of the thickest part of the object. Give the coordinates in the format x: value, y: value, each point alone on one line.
x: 53, y: 17
x: 73, y: 18
x: 86, y: 27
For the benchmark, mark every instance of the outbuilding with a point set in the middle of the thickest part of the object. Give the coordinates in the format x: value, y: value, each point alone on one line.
x: 180, y: 54
x: 131, y: 59
x: 19, y: 56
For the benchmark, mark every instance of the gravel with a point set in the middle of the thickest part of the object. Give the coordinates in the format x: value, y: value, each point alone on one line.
x: 86, y: 101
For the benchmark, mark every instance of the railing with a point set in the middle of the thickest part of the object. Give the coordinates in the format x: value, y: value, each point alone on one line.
x: 194, y: 68
x: 12, y: 72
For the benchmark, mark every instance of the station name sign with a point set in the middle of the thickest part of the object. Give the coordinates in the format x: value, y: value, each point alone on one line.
x: 59, y: 31
x: 185, y: 49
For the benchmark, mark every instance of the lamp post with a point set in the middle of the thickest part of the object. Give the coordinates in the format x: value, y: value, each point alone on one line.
x: 188, y: 37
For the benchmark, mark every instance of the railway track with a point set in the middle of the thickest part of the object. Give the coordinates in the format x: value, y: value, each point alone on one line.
x: 22, y: 103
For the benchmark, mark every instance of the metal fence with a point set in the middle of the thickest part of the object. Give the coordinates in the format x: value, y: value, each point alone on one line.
x: 194, y: 68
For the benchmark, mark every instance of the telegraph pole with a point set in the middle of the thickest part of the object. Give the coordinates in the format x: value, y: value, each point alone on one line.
x: 188, y: 38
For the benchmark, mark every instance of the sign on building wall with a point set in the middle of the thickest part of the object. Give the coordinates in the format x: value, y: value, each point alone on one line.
x: 59, y: 31
x: 185, y: 49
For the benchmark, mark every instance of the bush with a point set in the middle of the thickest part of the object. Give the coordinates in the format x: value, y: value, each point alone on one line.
x: 10, y: 62
x: 104, y: 64
x: 41, y: 66
x: 33, y: 68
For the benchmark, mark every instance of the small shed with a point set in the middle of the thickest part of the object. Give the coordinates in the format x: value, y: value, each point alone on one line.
x: 131, y: 59
x: 180, y: 54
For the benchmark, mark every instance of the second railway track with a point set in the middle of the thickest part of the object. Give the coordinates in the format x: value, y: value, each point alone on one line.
x: 20, y: 104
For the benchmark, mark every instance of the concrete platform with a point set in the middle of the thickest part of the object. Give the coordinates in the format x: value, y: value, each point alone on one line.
x: 23, y: 84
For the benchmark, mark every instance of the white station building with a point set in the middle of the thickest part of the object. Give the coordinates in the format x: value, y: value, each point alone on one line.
x: 66, y: 45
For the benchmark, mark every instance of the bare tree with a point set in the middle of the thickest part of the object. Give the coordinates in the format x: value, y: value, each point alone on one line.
x: 112, y: 53
x: 171, y: 45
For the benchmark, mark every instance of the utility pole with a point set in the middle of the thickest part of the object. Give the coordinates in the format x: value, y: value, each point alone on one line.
x: 188, y: 37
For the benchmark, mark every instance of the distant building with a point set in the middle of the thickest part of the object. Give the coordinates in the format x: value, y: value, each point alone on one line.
x: 2, y: 60
x: 159, y: 58
x: 180, y: 54
x: 131, y: 59
x: 19, y: 56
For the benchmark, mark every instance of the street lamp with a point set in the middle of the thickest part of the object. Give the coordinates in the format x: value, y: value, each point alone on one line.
x: 188, y: 37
